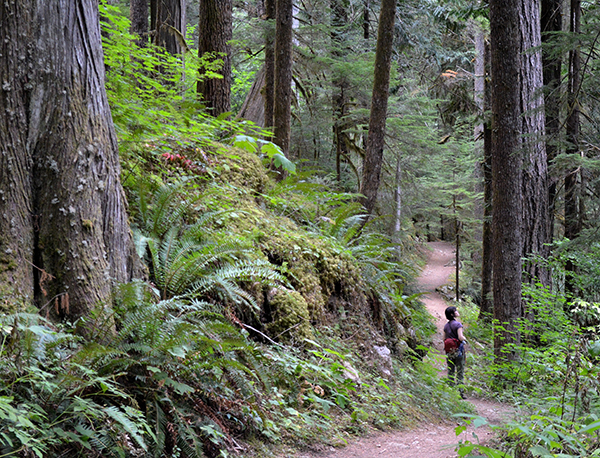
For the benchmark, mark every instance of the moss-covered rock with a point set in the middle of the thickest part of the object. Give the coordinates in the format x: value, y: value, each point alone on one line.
x: 290, y: 316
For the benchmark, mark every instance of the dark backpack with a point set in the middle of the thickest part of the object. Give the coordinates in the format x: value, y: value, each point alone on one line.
x: 451, y: 345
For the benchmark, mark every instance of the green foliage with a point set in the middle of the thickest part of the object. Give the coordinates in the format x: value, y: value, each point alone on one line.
x: 51, y: 405
x: 151, y: 93
x: 555, y: 377
x: 153, y: 99
x: 269, y: 149
x: 185, y: 261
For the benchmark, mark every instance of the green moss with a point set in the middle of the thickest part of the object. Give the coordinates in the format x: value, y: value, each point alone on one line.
x: 7, y: 264
x: 291, y: 319
x: 318, y: 267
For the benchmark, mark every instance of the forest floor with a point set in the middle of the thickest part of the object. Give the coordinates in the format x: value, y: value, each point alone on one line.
x: 427, y: 440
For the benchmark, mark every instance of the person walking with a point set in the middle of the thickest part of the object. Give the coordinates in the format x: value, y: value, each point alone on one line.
x: 454, y: 345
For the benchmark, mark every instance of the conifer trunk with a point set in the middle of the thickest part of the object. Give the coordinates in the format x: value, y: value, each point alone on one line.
x: 269, y: 62
x: 167, y: 17
x: 535, y: 179
x: 486, y: 310
x: 138, y: 13
x: 551, y: 22
x: 573, y: 222
x: 283, y: 75
x: 215, y: 23
x: 376, y: 137
x: 339, y: 19
x: 64, y: 234
x: 507, y: 166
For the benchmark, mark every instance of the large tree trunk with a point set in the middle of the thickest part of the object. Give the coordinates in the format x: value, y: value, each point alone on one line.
x: 551, y: 22
x: 283, y: 75
x: 138, y: 13
x: 535, y: 179
x: 507, y: 167
x: 573, y: 221
x: 216, y: 31
x: 376, y: 137
x: 167, y: 19
x: 63, y: 221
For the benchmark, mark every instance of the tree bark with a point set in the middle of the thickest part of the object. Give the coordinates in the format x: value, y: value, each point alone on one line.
x: 253, y: 108
x: 507, y: 164
x: 138, y: 13
x: 486, y: 310
x: 366, y: 21
x: 535, y: 167
x: 283, y: 75
x: 216, y: 31
x: 573, y: 221
x: 381, y: 84
x: 339, y: 19
x: 63, y: 217
x: 269, y: 62
x: 167, y: 18
x: 551, y: 22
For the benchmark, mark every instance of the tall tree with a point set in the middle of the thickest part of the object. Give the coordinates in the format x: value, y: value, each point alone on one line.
x: 63, y: 222
x: 269, y: 90
x: 573, y: 202
x: 138, y: 13
x: 167, y: 19
x: 486, y: 307
x: 551, y: 24
x: 507, y: 166
x: 339, y: 20
x: 216, y: 31
x: 535, y: 164
x: 283, y: 74
x: 375, y: 140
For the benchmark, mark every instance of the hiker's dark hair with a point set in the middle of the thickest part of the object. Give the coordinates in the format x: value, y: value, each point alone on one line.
x: 450, y: 313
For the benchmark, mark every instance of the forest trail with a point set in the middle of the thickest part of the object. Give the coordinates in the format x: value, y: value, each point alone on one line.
x: 426, y: 440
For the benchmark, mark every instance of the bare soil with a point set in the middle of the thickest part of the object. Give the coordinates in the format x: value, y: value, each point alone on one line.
x: 426, y: 440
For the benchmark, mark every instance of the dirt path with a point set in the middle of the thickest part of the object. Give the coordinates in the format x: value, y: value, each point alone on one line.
x: 426, y: 440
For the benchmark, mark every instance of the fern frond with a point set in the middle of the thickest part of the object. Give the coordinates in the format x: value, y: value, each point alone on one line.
x: 124, y: 420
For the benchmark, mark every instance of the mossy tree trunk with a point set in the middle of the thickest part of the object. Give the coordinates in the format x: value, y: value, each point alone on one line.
x: 63, y: 221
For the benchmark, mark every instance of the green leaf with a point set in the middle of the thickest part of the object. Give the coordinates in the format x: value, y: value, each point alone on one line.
x: 246, y: 143
x: 281, y: 161
x: 181, y: 388
x: 538, y: 450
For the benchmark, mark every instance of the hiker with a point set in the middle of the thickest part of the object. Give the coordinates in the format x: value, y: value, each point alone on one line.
x: 454, y: 345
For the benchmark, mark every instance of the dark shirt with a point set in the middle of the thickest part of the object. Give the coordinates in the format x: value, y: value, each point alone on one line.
x: 451, y: 329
